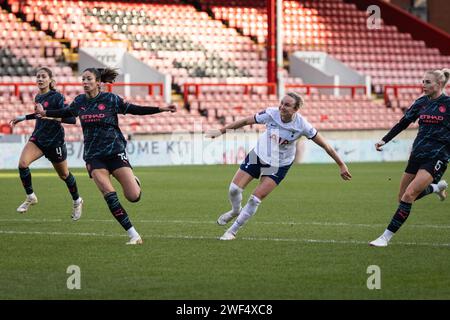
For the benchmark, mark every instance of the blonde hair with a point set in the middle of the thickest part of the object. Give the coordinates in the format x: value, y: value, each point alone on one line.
x: 298, y: 99
x: 441, y: 76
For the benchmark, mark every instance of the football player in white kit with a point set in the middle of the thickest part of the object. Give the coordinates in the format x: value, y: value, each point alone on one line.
x: 271, y: 159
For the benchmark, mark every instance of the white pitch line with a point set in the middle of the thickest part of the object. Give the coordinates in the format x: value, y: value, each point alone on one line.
x: 186, y: 237
x: 8, y: 175
x: 313, y: 223
x: 32, y: 220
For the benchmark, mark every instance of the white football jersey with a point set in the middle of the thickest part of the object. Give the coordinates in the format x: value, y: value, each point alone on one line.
x: 277, y: 145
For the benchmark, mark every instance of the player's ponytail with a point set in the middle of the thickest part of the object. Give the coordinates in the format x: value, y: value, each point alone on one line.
x: 105, y: 75
x: 441, y: 76
x: 108, y: 75
x: 446, y: 73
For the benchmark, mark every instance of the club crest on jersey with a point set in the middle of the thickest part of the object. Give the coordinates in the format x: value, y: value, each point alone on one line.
x: 101, y: 107
x: 45, y: 104
x: 442, y: 108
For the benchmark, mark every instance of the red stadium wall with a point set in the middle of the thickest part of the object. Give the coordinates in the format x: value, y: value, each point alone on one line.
x: 438, y: 11
x: 406, y: 22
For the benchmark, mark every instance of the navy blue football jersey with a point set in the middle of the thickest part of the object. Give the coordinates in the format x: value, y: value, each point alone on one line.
x: 98, y: 118
x: 433, y: 138
x: 49, y: 133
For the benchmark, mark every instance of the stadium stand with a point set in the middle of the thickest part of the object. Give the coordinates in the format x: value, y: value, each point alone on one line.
x: 214, y: 42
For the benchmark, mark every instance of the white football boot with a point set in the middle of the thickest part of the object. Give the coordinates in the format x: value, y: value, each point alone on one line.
x: 226, y: 217
x: 228, y: 236
x: 77, y: 209
x: 135, y: 240
x: 442, y: 193
x: 29, y: 201
x: 379, y: 242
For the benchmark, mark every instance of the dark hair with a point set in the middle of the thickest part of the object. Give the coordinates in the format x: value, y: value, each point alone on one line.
x: 50, y: 75
x: 298, y: 99
x: 103, y: 74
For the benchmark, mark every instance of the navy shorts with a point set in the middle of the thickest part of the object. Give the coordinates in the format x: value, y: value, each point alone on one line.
x: 53, y: 154
x: 110, y: 163
x: 435, y: 167
x: 253, y: 165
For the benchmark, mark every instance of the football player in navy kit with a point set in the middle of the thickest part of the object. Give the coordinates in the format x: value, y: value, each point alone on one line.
x: 271, y: 159
x: 104, y: 143
x: 430, y: 152
x: 47, y: 140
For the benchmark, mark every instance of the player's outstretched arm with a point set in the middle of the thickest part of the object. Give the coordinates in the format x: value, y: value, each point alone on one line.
x: 170, y: 108
x: 59, y: 113
x: 18, y: 119
x: 141, y: 110
x: 234, y: 125
x: 395, y: 130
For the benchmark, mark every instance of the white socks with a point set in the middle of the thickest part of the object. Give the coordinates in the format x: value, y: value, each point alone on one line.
x: 132, y: 233
x: 388, y: 234
x: 246, y: 213
x: 435, y: 187
x: 235, y: 195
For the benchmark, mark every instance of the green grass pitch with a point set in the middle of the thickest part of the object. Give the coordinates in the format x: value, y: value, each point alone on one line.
x: 308, y: 239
